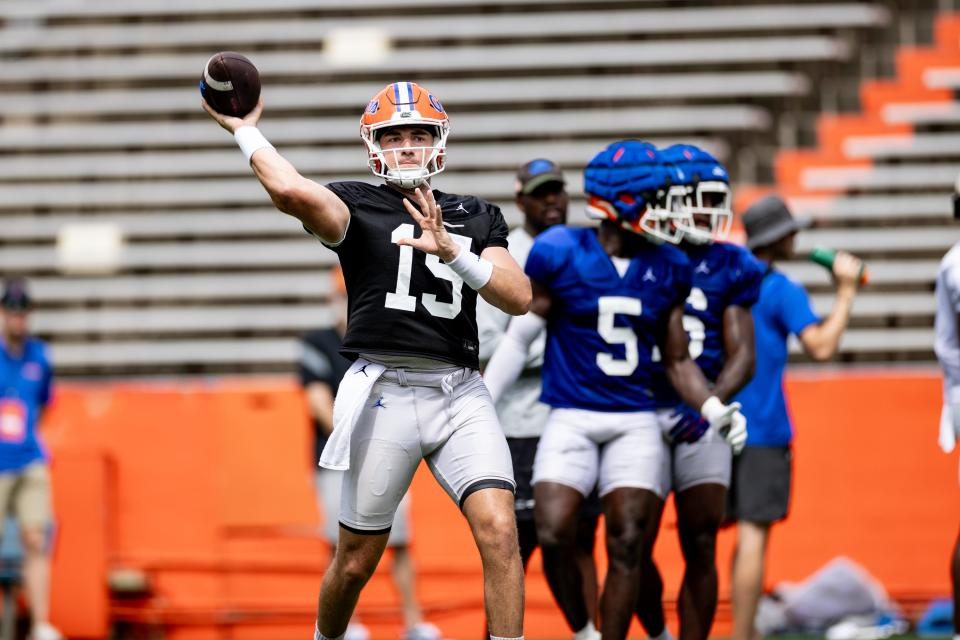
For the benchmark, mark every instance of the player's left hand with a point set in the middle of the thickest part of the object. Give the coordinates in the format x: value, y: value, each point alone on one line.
x: 728, y: 420
x: 736, y: 432
x: 429, y: 216
x: 685, y: 425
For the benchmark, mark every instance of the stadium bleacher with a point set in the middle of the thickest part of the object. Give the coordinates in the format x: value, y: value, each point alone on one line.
x: 102, y: 124
x: 879, y: 183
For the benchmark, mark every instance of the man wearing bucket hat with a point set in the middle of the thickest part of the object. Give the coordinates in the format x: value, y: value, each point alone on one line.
x: 25, y: 391
x: 760, y: 488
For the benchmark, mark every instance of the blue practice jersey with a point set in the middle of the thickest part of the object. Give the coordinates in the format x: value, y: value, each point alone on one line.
x: 603, y: 328
x: 723, y: 275
x: 24, y: 392
x: 783, y: 309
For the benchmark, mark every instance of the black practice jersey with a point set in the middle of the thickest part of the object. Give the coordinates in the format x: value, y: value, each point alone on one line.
x: 402, y: 301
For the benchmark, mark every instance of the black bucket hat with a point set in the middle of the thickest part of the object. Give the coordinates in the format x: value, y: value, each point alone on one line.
x: 769, y: 220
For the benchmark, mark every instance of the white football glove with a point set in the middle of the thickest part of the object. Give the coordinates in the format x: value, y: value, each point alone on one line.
x: 736, y: 433
x: 947, y: 437
x: 727, y: 420
x: 949, y: 426
x: 950, y: 420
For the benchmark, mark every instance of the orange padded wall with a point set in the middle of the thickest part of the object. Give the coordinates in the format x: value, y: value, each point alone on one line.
x: 208, y: 489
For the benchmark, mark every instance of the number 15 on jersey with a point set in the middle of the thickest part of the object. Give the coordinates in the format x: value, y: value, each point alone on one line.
x: 401, y: 299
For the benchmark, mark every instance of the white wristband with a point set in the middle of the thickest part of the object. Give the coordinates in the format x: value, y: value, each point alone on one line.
x: 472, y: 269
x: 250, y: 140
x: 713, y: 409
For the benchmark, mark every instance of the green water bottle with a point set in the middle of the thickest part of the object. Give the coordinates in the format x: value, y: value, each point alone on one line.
x: 825, y: 257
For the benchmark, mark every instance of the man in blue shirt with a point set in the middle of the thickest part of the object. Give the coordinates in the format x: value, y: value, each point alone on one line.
x: 760, y: 487
x: 25, y: 380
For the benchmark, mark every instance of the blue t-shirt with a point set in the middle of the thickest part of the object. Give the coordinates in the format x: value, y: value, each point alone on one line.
x: 603, y: 327
x: 783, y: 308
x: 724, y: 275
x: 25, y: 384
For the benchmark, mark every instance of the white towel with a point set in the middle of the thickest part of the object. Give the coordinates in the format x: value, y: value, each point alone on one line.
x: 351, y: 398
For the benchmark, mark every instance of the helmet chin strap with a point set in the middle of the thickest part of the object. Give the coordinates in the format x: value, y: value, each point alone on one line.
x: 699, y: 237
x: 413, y: 177
x: 405, y: 180
x: 650, y: 223
x: 655, y: 239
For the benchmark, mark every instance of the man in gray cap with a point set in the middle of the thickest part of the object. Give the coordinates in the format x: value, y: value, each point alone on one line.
x: 760, y: 487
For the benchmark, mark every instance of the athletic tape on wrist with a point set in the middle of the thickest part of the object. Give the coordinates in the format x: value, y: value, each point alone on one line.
x: 250, y: 141
x: 472, y: 269
x: 712, y: 408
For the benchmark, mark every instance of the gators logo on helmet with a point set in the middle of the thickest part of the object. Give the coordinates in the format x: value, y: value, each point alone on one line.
x: 405, y: 104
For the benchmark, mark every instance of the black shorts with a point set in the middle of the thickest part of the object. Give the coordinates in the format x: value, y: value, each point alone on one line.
x: 760, y: 485
x: 522, y: 452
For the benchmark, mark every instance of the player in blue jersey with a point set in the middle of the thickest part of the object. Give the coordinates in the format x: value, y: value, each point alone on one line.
x: 726, y: 284
x: 612, y: 300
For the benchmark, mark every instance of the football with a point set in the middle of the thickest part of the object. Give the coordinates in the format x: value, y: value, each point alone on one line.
x: 230, y: 84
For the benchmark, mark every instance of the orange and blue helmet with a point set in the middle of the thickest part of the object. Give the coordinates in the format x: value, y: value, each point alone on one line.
x: 627, y: 183
x: 703, y: 196
x: 405, y: 104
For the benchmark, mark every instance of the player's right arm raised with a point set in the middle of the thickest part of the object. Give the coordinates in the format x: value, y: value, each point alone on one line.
x: 313, y: 204
x: 822, y: 339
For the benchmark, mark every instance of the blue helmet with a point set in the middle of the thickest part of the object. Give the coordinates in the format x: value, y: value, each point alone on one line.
x: 626, y: 183
x: 701, y: 204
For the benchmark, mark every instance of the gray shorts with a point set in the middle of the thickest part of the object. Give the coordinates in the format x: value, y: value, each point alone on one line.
x: 583, y: 449
x: 760, y: 486
x: 688, y: 464
x: 329, y: 490
x: 409, y: 417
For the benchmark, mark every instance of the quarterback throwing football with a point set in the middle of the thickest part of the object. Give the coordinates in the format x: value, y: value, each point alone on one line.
x: 413, y: 391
